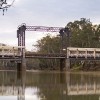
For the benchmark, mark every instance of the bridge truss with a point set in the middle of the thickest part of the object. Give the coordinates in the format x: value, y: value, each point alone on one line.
x: 21, y: 33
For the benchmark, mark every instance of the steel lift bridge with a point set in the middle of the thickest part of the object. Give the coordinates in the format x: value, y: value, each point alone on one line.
x: 71, y: 53
x: 64, y: 32
x: 21, y: 34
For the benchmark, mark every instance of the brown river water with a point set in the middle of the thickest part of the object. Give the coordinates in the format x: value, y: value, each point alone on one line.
x: 39, y: 85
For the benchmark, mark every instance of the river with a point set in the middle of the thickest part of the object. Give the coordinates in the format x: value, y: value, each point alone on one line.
x: 45, y: 85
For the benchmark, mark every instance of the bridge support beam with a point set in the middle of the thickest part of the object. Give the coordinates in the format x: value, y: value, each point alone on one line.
x: 67, y: 64
x: 62, y: 64
x: 23, y: 65
x: 18, y: 70
x: 21, y: 68
x: 21, y: 42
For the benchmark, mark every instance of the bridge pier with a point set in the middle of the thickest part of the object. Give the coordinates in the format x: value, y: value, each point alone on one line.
x: 21, y: 77
x: 18, y: 70
x: 21, y: 68
x: 67, y: 64
x: 62, y: 64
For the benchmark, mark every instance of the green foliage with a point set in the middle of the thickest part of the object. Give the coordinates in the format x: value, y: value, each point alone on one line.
x: 48, y: 44
x: 83, y: 34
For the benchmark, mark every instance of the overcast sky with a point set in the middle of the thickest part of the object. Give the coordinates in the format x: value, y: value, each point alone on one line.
x: 44, y: 13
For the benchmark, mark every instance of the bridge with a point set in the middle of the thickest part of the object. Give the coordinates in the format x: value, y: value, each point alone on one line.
x: 72, y: 53
x: 8, y: 52
x: 13, y: 54
x: 83, y: 53
x: 19, y: 53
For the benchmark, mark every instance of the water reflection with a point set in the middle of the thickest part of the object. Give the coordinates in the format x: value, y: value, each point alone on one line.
x: 84, y: 85
x: 21, y: 85
x: 49, y: 86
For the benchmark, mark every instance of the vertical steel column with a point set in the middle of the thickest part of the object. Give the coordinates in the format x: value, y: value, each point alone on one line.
x: 23, y: 28
x: 21, y: 42
x: 18, y: 36
x: 61, y: 38
x: 19, y: 39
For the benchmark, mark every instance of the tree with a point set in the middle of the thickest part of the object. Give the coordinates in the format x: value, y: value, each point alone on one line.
x: 83, y: 34
x: 4, y: 5
x: 49, y: 44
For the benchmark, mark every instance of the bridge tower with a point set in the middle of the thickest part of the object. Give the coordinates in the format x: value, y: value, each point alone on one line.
x: 65, y: 43
x: 64, y: 34
x: 21, y: 42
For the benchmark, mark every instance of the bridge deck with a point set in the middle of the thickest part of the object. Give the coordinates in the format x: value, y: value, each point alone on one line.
x: 72, y: 53
x: 87, y: 53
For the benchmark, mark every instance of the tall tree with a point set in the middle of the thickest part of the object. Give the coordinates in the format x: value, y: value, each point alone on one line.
x: 48, y: 44
x: 83, y: 34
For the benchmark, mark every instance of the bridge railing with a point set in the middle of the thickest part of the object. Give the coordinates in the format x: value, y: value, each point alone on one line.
x: 11, y: 51
x: 83, y: 52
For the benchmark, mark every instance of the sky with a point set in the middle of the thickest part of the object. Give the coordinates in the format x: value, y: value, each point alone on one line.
x: 54, y: 13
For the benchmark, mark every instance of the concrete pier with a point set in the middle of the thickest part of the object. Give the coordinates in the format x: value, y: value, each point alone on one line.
x: 67, y: 64
x: 21, y: 68
x: 62, y: 64
x: 18, y: 70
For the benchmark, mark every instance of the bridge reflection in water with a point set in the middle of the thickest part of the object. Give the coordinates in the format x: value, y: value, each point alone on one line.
x: 50, y: 86
x: 84, y: 86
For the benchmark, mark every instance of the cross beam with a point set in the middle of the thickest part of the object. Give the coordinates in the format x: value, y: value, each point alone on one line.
x: 21, y: 33
x: 43, y: 28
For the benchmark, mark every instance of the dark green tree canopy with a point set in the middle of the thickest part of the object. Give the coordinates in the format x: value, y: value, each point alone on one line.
x: 83, y: 34
x: 48, y: 44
